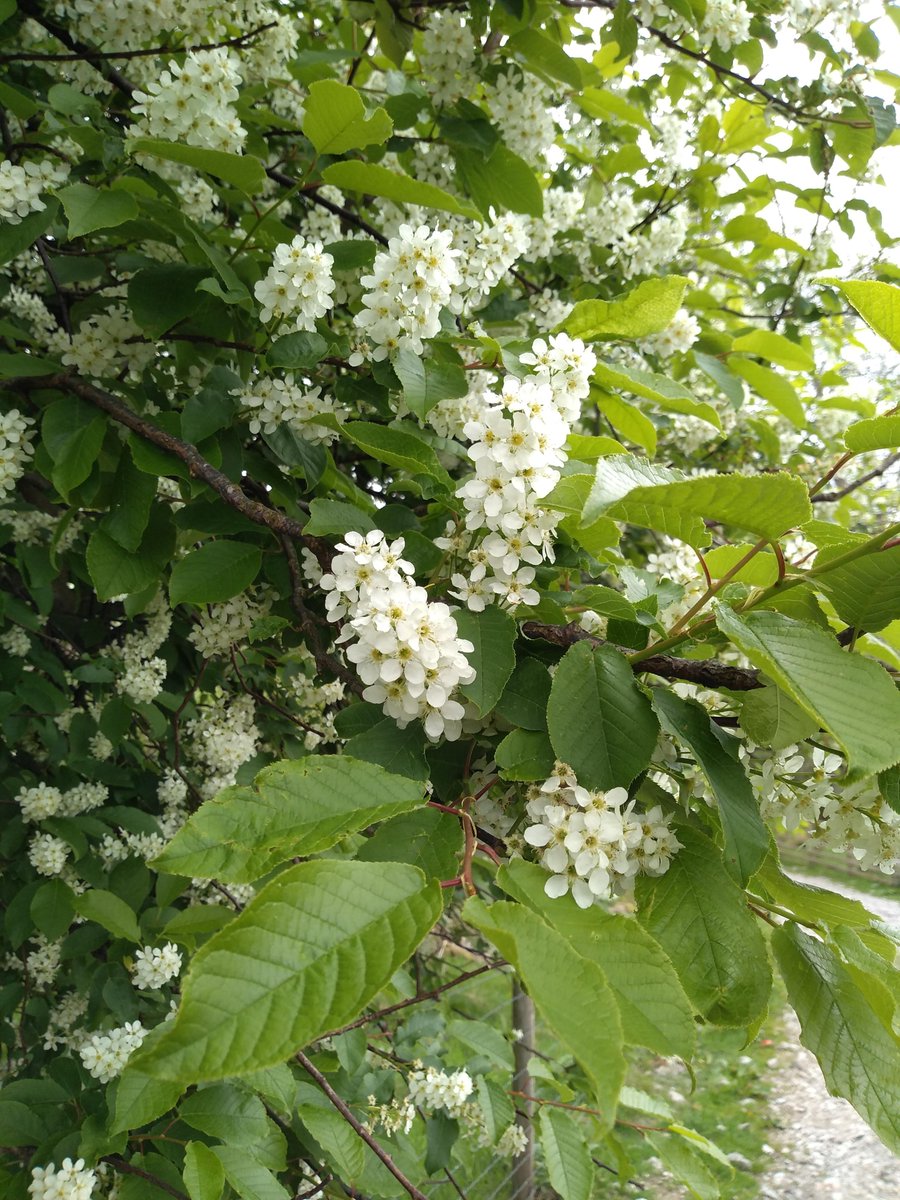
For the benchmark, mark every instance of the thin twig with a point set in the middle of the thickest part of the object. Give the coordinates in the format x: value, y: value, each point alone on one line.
x: 88, y: 55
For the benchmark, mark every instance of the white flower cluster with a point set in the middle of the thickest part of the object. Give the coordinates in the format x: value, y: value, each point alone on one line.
x: 677, y: 337
x: 447, y: 58
x: 806, y: 791
x: 432, y: 1089
x: 594, y: 842
x: 71, y: 1182
x: 727, y: 22
x: 21, y: 185
x: 298, y: 286
x: 407, y: 650
x: 654, y: 247
x: 193, y: 103
x: 102, y: 345
x: 144, y: 673
x: 517, y: 460
x: 65, y: 1016
x: 562, y: 207
x: 15, y: 448
x: 273, y: 402
x: 32, y: 310
x: 48, y: 854
x: 154, y: 967
x: 16, y: 642
x: 411, y: 282
x: 221, y: 739
x: 487, y: 252
x: 222, y: 625
x: 43, y: 962
x: 522, y: 111
x: 39, y: 802
x: 104, y: 1055
x: 142, y: 679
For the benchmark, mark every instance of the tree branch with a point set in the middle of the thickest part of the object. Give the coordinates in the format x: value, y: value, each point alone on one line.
x: 126, y: 1168
x: 80, y: 49
x: 708, y: 672
x: 830, y: 497
x: 358, y: 1128
x: 314, y: 198
x: 89, y: 56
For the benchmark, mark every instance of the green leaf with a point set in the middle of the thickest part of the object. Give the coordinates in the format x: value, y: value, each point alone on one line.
x: 566, y: 1156
x: 771, y: 718
x: 227, y: 1113
x: 336, y: 517
x: 629, y: 489
x: 860, y: 1060
x: 295, y: 807
x: 133, y: 495
x: 375, y: 180
x: 214, y: 572
x: 394, y: 446
x: 653, y: 1007
x: 746, y: 837
x: 493, y: 634
x: 140, y: 1099
x: 249, y: 1178
x: 686, y: 1166
x: 88, y: 208
x: 500, y: 180
x: 607, y: 105
x: 12, y: 365
x: 495, y: 1105
x: 698, y: 915
x: 109, y: 911
x: 242, y: 171
x: 776, y: 348
x: 525, y: 754
x: 875, y: 433
x: 340, y: 1144
x: 427, y: 838
x: 600, y: 722
x: 570, y: 993
x: 400, y: 751
x: 335, y: 119
x: 52, y: 908
x: 850, y: 696
x: 773, y: 387
x: 16, y: 238
x: 604, y: 600
x: 645, y: 310
x: 113, y: 571
x: 293, y: 350
x: 306, y: 955
x: 627, y: 420
x: 866, y: 591
x: 877, y: 303
x: 203, y: 1174
x: 546, y: 55
x: 73, y: 432
x: 524, y: 699
x: 162, y: 296
x: 809, y: 903
x: 663, y: 391
x: 428, y: 381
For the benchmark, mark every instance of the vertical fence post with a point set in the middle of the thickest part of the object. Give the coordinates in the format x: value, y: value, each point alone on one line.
x: 523, y: 1020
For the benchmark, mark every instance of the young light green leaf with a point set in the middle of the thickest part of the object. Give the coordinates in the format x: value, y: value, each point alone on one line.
x: 866, y: 591
x: 493, y: 634
x: 877, y: 303
x: 810, y: 903
x: 296, y: 807
x: 777, y: 389
x: 566, y: 1155
x: 110, y: 911
x: 335, y: 119
x: 746, y: 837
x: 859, y: 1058
x: 849, y: 695
x: 700, y: 918
x: 570, y: 993
x: 629, y: 489
x: 686, y: 1166
x: 771, y: 718
x: 654, y: 1009
x: 214, y: 572
x: 663, y: 391
x: 376, y: 180
x: 600, y: 721
x: 776, y: 348
x: 88, y: 208
x: 305, y: 956
x: 203, y: 1174
x: 645, y: 310
x: 874, y: 433
x: 428, y: 381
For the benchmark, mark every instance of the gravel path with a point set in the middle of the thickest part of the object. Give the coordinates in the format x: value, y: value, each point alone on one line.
x: 826, y: 1151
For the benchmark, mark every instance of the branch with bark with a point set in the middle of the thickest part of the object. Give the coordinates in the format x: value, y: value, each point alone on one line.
x: 708, y: 672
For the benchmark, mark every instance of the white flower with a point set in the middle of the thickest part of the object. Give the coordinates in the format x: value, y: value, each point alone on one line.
x: 105, y: 343
x: 71, y: 1182
x: 48, y: 854
x: 154, y: 967
x: 39, y: 802
x: 677, y: 338
x: 273, y: 402
x: 21, y: 185
x: 104, y: 1055
x: 16, y: 432
x: 298, y: 286
x: 193, y: 103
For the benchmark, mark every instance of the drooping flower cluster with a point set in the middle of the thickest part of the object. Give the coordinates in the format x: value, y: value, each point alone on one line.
x: 273, y: 402
x: 518, y: 449
x: 726, y: 22
x: 154, y: 967
x: 677, y: 337
x: 104, y: 343
x: 298, y: 286
x: 104, y: 1055
x: 594, y: 842
x: 71, y: 1182
x: 193, y: 102
x: 222, y: 625
x: 48, y: 854
x: 447, y: 57
x: 407, y: 650
x: 21, y: 185
x: 522, y: 112
x: 432, y: 1089
x: 411, y: 282
x: 16, y: 432
x: 222, y: 737
x: 144, y: 672
x: 487, y: 252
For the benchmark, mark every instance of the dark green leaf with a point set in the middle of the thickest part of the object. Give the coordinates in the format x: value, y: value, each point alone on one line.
x: 216, y: 571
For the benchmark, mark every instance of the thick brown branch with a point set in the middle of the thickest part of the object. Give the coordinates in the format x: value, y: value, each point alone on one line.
x: 705, y: 671
x: 358, y: 1128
